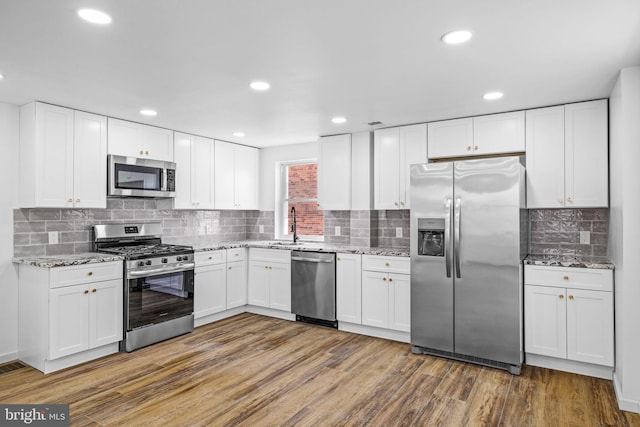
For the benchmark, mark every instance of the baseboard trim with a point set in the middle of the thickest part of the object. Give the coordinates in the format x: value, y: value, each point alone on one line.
x: 372, y: 331
x: 204, y: 320
x: 624, y: 403
x: 604, y: 372
x: 8, y: 357
x: 279, y: 314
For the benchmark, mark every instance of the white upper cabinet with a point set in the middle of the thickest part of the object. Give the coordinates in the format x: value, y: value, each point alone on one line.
x: 362, y: 171
x: 334, y: 172
x: 450, y: 138
x: 567, y: 156
x: 477, y: 136
x: 194, y: 158
x: 62, y: 157
x: 137, y: 140
x: 236, y: 176
x: 395, y: 149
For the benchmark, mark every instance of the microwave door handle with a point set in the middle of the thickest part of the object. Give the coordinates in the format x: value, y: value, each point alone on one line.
x: 447, y: 237
x: 456, y: 232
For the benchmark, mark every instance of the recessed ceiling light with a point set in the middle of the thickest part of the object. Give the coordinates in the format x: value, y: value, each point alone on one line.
x: 338, y: 120
x: 238, y: 134
x: 456, y: 37
x: 490, y: 96
x: 146, y: 112
x: 94, y: 16
x: 260, y: 85
x: 1, y: 76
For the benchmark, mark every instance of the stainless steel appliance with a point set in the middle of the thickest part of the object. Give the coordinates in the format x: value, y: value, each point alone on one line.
x: 158, y: 282
x: 131, y: 176
x: 469, y: 232
x: 313, y: 287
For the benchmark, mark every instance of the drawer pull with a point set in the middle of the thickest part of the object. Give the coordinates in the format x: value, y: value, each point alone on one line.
x: 561, y: 296
x: 570, y: 297
x: 94, y: 290
x: 387, y: 264
x: 566, y: 277
x: 90, y: 273
x: 390, y: 279
x: 384, y: 278
x: 237, y: 254
x: 229, y: 268
x: 86, y: 291
x: 210, y: 257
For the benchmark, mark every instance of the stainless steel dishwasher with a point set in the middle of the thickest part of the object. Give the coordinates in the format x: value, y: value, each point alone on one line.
x: 313, y: 287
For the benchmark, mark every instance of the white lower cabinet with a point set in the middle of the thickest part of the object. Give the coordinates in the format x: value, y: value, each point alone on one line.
x: 236, y: 278
x: 349, y: 288
x: 270, y: 278
x: 569, y: 316
x: 69, y: 315
x: 386, y: 292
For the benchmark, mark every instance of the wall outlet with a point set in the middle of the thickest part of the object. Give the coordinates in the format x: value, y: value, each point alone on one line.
x: 585, y: 237
x: 261, y: 228
x: 398, y: 231
x: 54, y: 238
x: 337, y: 230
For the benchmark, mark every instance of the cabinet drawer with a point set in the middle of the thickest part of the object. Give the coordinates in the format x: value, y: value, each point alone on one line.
x: 236, y: 254
x: 85, y: 273
x: 386, y: 264
x: 569, y: 277
x: 210, y: 257
x: 270, y: 255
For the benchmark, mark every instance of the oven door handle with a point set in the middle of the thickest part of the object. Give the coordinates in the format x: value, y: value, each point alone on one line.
x: 159, y: 271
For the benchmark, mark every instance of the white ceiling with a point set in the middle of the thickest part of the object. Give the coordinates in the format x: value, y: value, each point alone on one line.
x: 367, y: 60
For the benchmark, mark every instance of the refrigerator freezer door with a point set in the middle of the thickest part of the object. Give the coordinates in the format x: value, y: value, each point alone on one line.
x: 487, y: 293
x: 431, y: 289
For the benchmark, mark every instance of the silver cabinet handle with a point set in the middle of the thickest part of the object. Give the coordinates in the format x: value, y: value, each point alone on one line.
x: 447, y: 237
x: 456, y: 232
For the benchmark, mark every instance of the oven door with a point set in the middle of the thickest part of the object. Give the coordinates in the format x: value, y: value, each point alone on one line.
x: 158, y: 298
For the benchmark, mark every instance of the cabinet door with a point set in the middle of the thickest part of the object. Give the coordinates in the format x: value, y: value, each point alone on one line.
x: 246, y: 163
x: 498, y: 133
x: 224, y: 181
x: 387, y: 168
x: 68, y: 320
x: 334, y: 172
x: 375, y: 299
x: 157, y: 143
x: 105, y: 313
x: 90, y: 160
x: 349, y: 288
x: 362, y: 171
x: 236, y: 284
x: 124, y: 138
x: 202, y: 180
x: 182, y: 158
x: 280, y: 286
x: 210, y: 295
x: 399, y: 302
x: 590, y: 326
x: 54, y: 156
x: 450, y: 138
x: 545, y: 324
x: 545, y: 157
x: 259, y: 283
x: 586, y: 154
x: 413, y: 149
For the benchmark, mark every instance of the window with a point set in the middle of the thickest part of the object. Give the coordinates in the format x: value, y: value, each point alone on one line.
x: 299, y: 189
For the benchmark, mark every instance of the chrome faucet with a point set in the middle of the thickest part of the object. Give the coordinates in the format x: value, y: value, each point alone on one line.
x: 294, y: 226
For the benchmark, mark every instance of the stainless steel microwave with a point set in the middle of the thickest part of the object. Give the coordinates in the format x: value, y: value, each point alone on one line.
x: 132, y: 176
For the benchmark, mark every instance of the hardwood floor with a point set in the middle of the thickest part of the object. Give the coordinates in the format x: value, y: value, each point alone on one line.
x: 259, y: 371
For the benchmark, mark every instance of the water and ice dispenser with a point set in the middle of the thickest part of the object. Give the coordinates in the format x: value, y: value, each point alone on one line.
x: 431, y: 236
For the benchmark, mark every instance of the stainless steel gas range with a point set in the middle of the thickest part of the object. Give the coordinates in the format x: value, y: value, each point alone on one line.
x: 158, y: 282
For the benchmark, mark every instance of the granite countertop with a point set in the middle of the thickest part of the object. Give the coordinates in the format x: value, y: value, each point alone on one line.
x: 570, y: 261
x: 67, y: 260
x: 303, y: 246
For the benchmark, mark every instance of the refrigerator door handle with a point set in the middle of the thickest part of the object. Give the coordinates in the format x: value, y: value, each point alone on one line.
x: 447, y: 237
x: 456, y: 237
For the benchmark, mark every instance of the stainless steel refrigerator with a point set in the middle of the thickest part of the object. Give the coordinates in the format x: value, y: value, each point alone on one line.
x: 469, y: 234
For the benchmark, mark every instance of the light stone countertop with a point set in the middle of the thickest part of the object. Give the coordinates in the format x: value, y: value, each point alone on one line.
x: 602, y: 263
x: 67, y: 260
x: 304, y: 246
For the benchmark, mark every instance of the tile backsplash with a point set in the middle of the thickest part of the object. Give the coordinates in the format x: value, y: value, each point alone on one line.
x: 553, y: 231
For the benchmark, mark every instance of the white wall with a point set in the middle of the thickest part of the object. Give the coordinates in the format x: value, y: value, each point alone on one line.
x: 624, y: 232
x: 9, y: 134
x: 269, y: 158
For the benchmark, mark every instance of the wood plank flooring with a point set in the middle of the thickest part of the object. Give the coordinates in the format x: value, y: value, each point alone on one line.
x: 251, y: 370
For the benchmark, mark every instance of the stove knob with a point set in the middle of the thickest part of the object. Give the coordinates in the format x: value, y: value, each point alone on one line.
x: 140, y: 263
x: 148, y: 262
x: 164, y: 260
x: 179, y: 258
